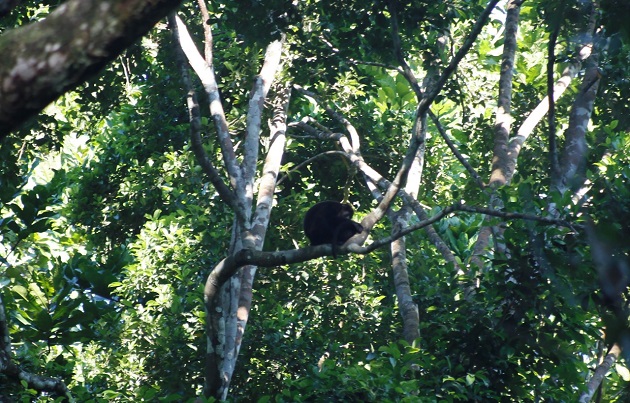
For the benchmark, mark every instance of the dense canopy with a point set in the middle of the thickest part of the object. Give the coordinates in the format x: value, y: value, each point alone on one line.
x: 157, y: 160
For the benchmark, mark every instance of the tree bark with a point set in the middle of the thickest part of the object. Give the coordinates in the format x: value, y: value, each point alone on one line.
x: 43, y: 60
x: 599, y: 374
x: 501, y: 173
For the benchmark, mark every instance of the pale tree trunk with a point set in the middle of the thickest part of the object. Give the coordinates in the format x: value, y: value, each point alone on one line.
x: 400, y: 220
x: 228, y: 309
x: 568, y: 170
x: 507, y: 150
x: 412, y: 175
x: 572, y: 170
x: 500, y: 173
x: 409, y: 311
x: 600, y: 373
x: 433, y: 83
x: 236, y: 293
x: 228, y: 288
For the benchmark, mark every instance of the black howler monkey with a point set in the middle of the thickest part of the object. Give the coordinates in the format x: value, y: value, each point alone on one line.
x: 329, y: 222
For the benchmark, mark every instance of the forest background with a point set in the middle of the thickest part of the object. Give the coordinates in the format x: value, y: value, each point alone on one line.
x: 157, y: 160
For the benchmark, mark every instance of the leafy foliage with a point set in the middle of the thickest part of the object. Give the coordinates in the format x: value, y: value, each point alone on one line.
x: 109, y: 227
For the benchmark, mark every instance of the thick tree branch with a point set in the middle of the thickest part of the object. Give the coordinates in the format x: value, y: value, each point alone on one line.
x: 205, y: 72
x: 572, y: 164
x: 600, y: 373
x: 501, y: 172
x: 500, y: 158
x: 43, y: 60
x: 551, y: 117
x: 258, y: 95
x: 228, y: 266
x: 207, y: 31
x: 532, y: 120
x: 194, y: 116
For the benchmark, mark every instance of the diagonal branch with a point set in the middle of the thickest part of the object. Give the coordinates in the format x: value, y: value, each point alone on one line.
x: 228, y: 266
x: 421, y: 111
x: 473, y: 173
x: 194, y: 116
x: 433, y: 92
x: 207, y: 31
x: 530, y: 123
x: 205, y: 72
x: 66, y: 48
x: 600, y: 373
x: 308, y: 161
x: 271, y: 168
x: 262, y: 83
x: 406, y: 70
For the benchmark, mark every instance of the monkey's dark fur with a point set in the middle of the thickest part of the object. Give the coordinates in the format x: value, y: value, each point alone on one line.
x: 330, y: 222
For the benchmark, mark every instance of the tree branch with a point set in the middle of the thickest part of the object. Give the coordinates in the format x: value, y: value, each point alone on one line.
x: 532, y: 120
x: 194, y: 116
x: 432, y: 93
x: 500, y: 173
x: 228, y: 266
x: 551, y: 117
x: 600, y: 373
x: 308, y: 161
x: 43, y: 60
x: 262, y: 83
x: 205, y: 72
x: 473, y: 173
